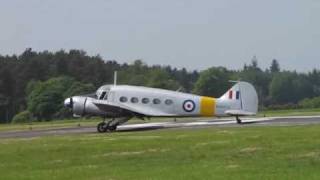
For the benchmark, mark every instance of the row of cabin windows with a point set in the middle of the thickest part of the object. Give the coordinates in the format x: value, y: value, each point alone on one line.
x: 145, y: 100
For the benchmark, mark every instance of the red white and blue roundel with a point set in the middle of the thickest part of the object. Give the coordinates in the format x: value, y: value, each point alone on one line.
x: 189, y: 105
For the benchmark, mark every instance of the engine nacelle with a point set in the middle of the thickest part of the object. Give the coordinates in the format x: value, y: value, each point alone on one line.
x: 83, y: 106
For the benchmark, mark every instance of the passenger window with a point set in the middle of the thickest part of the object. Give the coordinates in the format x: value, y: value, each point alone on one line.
x: 145, y: 100
x: 134, y: 100
x: 156, y: 101
x: 168, y: 102
x: 123, y: 99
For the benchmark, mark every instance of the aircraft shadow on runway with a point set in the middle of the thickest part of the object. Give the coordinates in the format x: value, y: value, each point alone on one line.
x: 150, y: 128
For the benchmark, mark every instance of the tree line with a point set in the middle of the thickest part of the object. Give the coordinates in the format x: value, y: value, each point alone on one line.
x: 35, y: 83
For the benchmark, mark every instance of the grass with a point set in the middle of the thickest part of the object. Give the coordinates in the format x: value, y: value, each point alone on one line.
x: 290, y: 112
x: 203, y: 153
x: 49, y: 124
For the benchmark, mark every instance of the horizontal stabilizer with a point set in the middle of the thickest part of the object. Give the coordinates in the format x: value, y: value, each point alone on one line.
x: 76, y: 116
x: 239, y: 113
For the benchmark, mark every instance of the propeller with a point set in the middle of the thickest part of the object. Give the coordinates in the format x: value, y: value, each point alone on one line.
x: 68, y: 103
x: 80, y: 106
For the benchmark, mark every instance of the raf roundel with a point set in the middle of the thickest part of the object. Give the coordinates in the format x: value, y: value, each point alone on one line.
x: 189, y: 105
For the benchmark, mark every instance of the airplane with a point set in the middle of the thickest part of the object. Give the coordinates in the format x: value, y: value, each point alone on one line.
x: 120, y: 103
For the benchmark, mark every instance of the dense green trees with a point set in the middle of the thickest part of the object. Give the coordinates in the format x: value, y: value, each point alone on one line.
x: 290, y: 87
x: 45, y: 99
x: 261, y: 80
x: 281, y: 87
x: 310, y: 103
x: 275, y: 67
x: 22, y: 76
x: 39, y: 81
x: 161, y: 79
x: 22, y: 117
x: 213, y: 82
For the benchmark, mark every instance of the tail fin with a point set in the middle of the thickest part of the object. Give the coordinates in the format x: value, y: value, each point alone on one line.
x: 242, y: 98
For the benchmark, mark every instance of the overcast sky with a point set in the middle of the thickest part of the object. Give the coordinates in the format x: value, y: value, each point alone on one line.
x: 195, y: 34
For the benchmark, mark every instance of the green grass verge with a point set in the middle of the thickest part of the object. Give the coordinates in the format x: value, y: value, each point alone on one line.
x: 290, y: 112
x: 206, y: 153
x: 49, y: 125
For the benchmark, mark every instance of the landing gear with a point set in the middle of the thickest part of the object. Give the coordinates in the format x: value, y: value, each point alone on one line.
x: 238, y: 120
x: 112, y: 128
x: 111, y: 125
x: 102, y: 127
x: 106, y: 127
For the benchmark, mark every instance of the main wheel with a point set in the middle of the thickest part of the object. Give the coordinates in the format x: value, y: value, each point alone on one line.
x: 112, y: 128
x: 102, y: 127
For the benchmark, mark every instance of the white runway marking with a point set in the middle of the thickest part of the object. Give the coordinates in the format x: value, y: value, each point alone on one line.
x: 192, y: 124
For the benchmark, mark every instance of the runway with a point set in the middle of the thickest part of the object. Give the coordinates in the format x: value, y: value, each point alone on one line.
x: 230, y: 122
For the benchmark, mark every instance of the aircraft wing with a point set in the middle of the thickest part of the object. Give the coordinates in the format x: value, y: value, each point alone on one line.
x: 239, y: 113
x: 115, y: 107
x: 107, y: 106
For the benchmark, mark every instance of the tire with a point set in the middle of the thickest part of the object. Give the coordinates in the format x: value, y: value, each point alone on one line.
x: 102, y: 127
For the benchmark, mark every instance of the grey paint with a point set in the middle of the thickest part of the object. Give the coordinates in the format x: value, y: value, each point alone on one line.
x: 111, y: 104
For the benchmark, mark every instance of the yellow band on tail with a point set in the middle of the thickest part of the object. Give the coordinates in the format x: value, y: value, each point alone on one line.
x: 207, y: 106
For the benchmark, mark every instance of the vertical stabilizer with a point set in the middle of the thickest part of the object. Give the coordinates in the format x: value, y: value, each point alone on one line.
x: 242, y: 98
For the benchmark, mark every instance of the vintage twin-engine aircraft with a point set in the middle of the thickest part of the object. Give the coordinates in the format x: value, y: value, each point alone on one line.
x: 122, y: 102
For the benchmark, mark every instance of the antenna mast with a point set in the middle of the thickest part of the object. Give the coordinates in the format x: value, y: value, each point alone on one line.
x: 115, y: 78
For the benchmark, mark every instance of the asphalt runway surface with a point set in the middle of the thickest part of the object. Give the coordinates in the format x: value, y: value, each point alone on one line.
x: 230, y: 122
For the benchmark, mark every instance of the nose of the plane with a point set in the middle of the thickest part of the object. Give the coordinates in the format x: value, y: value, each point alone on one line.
x: 68, y: 103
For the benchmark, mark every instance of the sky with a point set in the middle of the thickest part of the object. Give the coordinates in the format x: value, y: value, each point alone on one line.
x: 195, y: 34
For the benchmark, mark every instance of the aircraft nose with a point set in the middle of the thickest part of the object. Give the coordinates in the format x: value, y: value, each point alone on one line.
x: 68, y: 103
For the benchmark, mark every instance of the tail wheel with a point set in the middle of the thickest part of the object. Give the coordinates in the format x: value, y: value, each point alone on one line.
x: 102, y: 127
x: 238, y: 120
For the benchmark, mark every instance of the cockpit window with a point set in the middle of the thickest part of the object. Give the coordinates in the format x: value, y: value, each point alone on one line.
x: 102, y: 96
x: 103, y: 92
